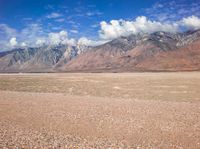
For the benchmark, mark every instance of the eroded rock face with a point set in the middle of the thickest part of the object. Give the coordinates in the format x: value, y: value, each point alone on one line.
x: 130, y: 53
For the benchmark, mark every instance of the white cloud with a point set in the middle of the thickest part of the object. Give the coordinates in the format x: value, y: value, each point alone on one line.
x: 95, y: 25
x: 6, y: 32
x: 60, y: 38
x: 70, y: 42
x: 84, y: 41
x: 74, y: 31
x: 36, y: 35
x: 23, y: 44
x: 31, y: 33
x: 191, y: 22
x: 90, y: 14
x: 173, y: 10
x: 87, y: 42
x: 40, y: 41
x: 54, y: 15
x: 117, y: 28
x: 13, y: 42
x: 56, y: 38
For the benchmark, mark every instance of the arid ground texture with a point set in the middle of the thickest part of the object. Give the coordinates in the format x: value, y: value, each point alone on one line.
x: 100, y: 110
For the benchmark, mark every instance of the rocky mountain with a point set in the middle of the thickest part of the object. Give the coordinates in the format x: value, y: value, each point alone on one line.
x: 40, y: 59
x: 159, y: 51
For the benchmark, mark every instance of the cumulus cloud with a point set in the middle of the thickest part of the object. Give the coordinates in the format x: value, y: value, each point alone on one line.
x: 84, y: 41
x: 70, y: 42
x: 87, y: 42
x: 36, y: 35
x: 59, y: 38
x: 118, y: 28
x: 23, y: 44
x: 55, y: 38
x: 191, y: 22
x: 13, y: 42
x: 40, y: 41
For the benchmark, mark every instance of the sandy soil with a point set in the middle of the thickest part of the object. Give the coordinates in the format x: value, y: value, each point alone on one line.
x: 139, y: 110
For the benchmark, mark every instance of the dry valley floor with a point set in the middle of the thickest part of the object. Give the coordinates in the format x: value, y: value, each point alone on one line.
x: 125, y: 110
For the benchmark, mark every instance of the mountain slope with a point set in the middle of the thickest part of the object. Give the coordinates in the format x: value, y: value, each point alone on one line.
x: 183, y: 59
x: 159, y: 51
x: 15, y: 59
x: 42, y: 59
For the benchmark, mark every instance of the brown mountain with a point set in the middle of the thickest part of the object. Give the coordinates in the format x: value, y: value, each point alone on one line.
x: 186, y: 58
x: 147, y: 52
x: 158, y: 51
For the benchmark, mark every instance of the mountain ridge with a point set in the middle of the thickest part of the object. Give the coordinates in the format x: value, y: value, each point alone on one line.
x: 158, y: 51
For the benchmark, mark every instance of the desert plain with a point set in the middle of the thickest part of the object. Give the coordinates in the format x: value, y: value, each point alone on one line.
x: 100, y: 110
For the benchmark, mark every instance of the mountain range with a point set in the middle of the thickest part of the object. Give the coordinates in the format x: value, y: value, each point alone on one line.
x: 158, y: 51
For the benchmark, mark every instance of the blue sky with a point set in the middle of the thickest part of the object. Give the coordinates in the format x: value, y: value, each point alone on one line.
x: 91, y: 19
x: 83, y: 15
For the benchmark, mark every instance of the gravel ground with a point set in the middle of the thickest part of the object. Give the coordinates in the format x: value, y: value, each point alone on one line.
x: 51, y: 118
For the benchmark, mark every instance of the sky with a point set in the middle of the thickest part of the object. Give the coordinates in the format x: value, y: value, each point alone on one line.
x: 90, y: 22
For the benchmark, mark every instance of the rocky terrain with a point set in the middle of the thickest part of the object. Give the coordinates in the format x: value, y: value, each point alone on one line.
x: 159, y: 51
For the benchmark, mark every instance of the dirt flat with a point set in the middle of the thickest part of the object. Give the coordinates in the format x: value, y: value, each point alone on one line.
x: 126, y: 110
